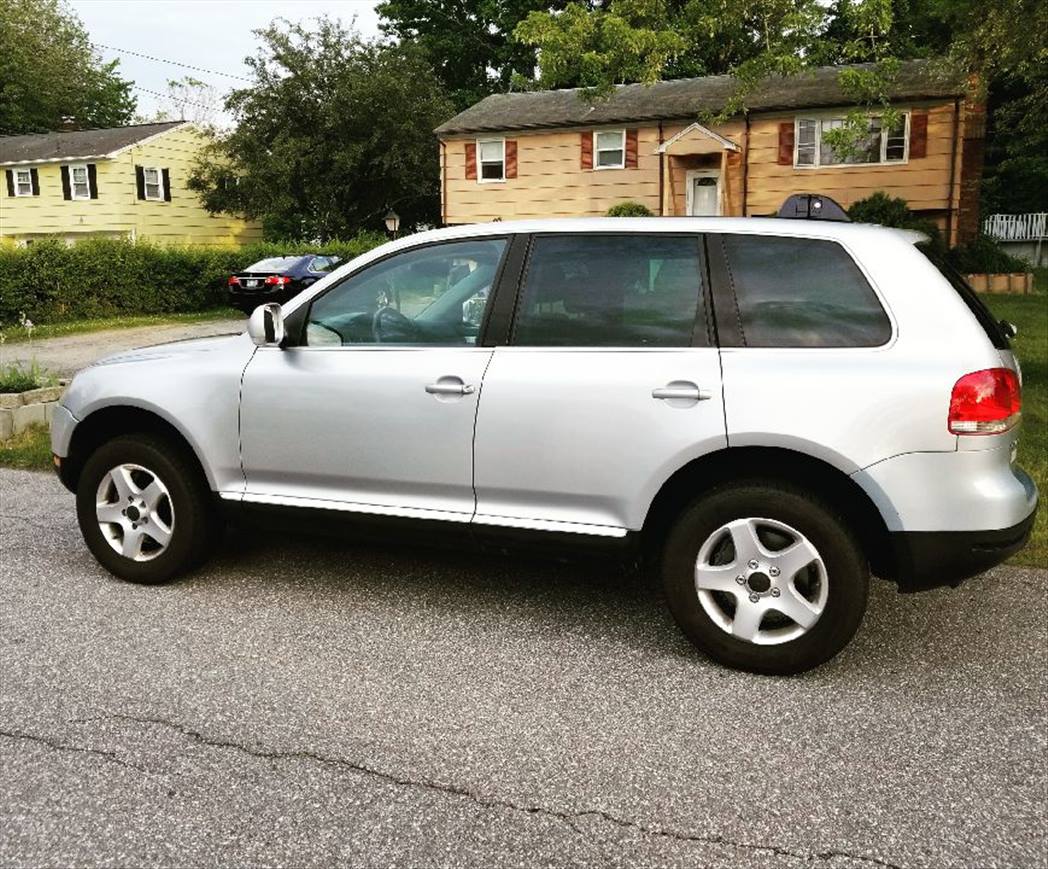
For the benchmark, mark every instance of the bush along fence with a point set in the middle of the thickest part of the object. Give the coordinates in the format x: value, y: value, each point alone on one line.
x: 51, y: 282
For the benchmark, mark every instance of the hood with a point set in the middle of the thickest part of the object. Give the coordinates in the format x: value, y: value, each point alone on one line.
x: 173, y: 348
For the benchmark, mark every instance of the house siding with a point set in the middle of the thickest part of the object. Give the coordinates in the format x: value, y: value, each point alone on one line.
x: 117, y: 211
x: 551, y: 183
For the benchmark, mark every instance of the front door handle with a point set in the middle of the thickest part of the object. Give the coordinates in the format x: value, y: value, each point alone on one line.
x: 450, y: 386
x: 681, y: 390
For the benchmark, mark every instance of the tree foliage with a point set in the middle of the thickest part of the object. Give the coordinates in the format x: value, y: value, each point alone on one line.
x: 334, y: 131
x: 469, y: 42
x: 49, y: 74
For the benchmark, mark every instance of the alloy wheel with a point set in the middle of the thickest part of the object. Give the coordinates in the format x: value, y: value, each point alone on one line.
x: 135, y: 512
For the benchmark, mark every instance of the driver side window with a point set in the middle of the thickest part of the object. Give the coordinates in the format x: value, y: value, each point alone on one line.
x: 434, y: 295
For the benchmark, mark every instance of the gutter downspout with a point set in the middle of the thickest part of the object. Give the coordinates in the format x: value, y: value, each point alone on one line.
x: 443, y: 182
x: 746, y: 168
x: 662, y: 163
x: 953, y: 170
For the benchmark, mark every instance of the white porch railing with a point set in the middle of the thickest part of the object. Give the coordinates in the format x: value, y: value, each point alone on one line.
x: 1017, y: 227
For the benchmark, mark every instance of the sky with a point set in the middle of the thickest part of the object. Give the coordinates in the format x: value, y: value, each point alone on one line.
x: 210, y: 34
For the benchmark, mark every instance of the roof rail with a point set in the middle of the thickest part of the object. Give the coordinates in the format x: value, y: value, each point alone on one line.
x: 812, y: 206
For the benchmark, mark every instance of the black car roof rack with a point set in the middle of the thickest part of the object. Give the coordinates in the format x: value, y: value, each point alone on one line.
x: 812, y: 206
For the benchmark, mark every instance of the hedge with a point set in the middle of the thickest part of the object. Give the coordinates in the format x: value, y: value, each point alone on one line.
x: 51, y: 282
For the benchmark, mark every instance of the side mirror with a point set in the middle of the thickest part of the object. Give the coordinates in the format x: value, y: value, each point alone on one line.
x: 266, y: 325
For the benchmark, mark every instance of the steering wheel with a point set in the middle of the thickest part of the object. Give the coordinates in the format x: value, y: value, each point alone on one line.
x: 387, y: 317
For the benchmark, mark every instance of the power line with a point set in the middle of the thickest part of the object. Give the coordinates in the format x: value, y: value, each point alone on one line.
x: 172, y: 62
x: 172, y: 98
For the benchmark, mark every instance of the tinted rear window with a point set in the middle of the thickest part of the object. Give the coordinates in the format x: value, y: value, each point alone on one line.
x: 801, y: 292
x: 273, y: 264
x: 976, y: 305
x: 612, y: 291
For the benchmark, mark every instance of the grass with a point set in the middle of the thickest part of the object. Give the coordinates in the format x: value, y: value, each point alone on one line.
x: 16, y: 335
x: 19, y: 378
x: 1030, y: 315
x: 28, y: 451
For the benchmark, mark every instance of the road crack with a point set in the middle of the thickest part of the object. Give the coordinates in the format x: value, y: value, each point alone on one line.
x: 570, y: 818
x: 55, y: 745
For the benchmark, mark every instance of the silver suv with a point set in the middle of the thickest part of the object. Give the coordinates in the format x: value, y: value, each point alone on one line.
x: 766, y: 409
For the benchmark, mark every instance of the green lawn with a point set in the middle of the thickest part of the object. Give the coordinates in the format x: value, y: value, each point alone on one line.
x: 15, y: 334
x: 28, y: 451
x: 1030, y: 315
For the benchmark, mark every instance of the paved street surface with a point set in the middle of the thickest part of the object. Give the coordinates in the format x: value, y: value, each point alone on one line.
x: 310, y: 703
x: 66, y: 355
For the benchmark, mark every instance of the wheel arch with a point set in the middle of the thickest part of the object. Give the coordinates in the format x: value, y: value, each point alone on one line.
x: 772, y: 464
x: 112, y: 421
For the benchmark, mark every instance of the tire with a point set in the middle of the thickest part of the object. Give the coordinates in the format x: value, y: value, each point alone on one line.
x: 791, y: 528
x: 185, y: 508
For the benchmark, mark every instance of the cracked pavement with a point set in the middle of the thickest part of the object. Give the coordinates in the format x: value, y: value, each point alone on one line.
x: 308, y: 702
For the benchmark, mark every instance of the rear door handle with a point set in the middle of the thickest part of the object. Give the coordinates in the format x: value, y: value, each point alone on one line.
x: 450, y: 386
x: 682, y: 391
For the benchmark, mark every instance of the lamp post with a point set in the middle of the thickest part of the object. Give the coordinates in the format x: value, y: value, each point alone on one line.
x: 392, y: 220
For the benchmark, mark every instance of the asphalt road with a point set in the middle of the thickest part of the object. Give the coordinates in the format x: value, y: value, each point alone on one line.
x: 67, y: 354
x: 309, y: 703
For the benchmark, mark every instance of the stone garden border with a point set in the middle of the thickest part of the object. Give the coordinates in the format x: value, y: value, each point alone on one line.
x: 1003, y: 282
x: 19, y: 410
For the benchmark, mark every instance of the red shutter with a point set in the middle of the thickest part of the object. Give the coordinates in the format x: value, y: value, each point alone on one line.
x: 918, y: 135
x: 511, y: 158
x: 631, y: 149
x: 786, y: 143
x: 587, y: 149
x: 471, y: 159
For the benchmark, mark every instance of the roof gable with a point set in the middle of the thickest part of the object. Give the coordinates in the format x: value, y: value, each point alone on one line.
x: 77, y: 144
x: 681, y: 99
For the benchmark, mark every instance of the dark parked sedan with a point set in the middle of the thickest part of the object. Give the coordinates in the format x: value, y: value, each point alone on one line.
x: 277, y: 279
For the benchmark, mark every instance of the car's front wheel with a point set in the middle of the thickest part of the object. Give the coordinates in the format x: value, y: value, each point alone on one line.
x: 765, y: 577
x: 144, y: 509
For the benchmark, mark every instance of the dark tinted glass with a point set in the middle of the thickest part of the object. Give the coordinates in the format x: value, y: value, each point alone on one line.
x: 273, y: 264
x: 611, y: 291
x: 801, y: 292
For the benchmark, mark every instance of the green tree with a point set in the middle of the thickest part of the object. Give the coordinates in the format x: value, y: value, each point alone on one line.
x: 49, y: 74
x: 333, y: 132
x: 469, y: 42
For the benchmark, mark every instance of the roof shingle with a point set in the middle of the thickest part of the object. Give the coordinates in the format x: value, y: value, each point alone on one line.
x: 681, y: 98
x: 76, y: 143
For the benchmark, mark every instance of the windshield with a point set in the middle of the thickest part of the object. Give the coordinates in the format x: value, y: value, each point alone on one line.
x: 977, y: 306
x: 273, y: 264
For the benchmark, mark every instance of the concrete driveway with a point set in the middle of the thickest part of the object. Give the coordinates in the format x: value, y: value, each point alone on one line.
x: 301, y: 702
x: 66, y: 355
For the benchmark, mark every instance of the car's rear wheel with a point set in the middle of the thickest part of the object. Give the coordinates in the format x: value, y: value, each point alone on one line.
x: 765, y: 577
x: 144, y: 509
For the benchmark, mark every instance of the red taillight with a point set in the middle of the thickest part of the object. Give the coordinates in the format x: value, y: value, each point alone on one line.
x: 233, y: 281
x: 985, y: 402
x: 277, y: 280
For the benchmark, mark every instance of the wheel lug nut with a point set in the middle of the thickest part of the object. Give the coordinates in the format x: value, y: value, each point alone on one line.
x: 774, y: 592
x: 773, y: 571
x: 754, y: 597
x: 741, y: 580
x: 754, y: 565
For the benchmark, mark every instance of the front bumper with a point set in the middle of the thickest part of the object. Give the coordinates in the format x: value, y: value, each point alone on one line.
x: 930, y: 559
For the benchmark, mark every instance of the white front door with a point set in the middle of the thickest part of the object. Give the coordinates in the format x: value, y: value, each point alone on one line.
x: 704, y: 193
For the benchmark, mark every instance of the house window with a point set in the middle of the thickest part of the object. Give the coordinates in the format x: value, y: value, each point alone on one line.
x: 609, y: 147
x: 880, y: 145
x: 492, y: 155
x: 23, y: 182
x: 154, y: 185
x: 79, y: 184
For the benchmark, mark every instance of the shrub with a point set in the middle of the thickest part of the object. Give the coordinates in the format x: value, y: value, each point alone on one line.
x: 17, y: 378
x: 985, y: 255
x: 629, y: 209
x: 98, y: 277
x: 885, y: 210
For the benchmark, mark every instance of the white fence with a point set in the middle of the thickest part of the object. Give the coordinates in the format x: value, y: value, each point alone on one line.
x: 1017, y: 227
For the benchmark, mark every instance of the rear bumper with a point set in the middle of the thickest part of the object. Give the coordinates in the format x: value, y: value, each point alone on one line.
x: 248, y: 301
x: 930, y: 559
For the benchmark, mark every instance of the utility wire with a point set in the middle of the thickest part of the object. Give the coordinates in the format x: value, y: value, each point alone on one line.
x: 172, y: 62
x: 170, y: 97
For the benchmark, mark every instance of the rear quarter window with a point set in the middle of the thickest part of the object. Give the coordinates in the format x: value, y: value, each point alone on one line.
x: 800, y: 292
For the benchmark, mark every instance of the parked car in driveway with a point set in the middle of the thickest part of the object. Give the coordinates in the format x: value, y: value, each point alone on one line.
x: 277, y: 279
x: 769, y: 410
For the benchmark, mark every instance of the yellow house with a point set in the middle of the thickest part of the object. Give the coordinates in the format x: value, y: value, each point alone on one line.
x: 554, y: 154
x: 123, y: 182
